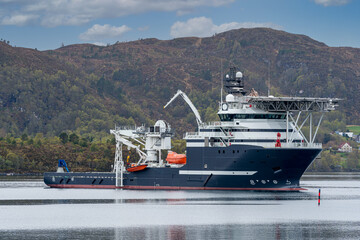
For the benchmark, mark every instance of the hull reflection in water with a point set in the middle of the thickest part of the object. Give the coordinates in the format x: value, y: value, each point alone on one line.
x: 290, y: 230
x: 29, y: 210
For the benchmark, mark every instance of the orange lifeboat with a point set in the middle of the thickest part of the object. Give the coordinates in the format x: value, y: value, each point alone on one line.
x: 174, y: 158
x: 137, y: 168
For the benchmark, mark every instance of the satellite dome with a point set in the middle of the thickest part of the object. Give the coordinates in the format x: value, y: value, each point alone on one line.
x: 239, y: 75
x: 162, y: 125
x: 230, y: 98
x: 227, y: 76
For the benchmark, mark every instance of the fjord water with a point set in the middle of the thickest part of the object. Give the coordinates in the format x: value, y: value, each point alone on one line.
x: 30, y: 210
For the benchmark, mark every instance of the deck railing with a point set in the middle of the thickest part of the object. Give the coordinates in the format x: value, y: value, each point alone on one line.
x: 195, y: 135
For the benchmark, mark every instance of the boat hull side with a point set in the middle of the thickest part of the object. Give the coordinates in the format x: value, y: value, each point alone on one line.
x: 231, y: 168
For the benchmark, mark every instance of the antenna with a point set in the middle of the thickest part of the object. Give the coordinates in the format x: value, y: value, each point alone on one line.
x: 222, y: 82
x: 268, y: 78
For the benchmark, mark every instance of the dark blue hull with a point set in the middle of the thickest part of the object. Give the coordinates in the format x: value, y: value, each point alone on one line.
x: 237, y: 167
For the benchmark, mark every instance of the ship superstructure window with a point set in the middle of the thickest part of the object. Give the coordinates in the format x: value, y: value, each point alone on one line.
x: 231, y: 117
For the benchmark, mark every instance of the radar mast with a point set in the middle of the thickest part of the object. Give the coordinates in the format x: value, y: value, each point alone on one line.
x: 234, y: 82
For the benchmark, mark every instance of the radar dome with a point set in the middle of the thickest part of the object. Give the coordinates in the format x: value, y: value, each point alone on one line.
x: 230, y: 98
x: 227, y: 76
x: 162, y: 125
x: 239, y: 75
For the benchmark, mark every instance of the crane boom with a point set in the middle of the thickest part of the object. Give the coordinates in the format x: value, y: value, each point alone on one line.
x: 188, y: 101
x: 128, y: 143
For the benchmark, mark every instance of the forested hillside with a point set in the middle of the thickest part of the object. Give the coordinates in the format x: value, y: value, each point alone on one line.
x: 84, y: 90
x: 88, y: 89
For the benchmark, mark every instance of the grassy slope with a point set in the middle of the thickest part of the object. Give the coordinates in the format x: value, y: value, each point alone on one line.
x: 354, y: 128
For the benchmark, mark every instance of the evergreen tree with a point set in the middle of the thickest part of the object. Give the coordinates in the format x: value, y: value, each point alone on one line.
x: 74, y: 138
x: 64, y: 137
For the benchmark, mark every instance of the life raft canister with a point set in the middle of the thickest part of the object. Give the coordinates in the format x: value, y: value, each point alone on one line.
x: 174, y: 158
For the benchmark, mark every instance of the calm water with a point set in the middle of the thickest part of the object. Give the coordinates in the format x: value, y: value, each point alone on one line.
x: 30, y: 210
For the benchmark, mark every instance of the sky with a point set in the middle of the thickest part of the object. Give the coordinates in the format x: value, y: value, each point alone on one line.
x: 49, y: 24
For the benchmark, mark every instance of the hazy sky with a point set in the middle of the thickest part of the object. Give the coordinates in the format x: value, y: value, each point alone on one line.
x: 46, y: 24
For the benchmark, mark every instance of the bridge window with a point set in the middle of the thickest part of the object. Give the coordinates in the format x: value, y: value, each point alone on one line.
x: 231, y: 117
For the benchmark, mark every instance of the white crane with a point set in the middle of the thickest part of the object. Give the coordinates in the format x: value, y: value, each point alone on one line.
x: 188, y: 101
x: 122, y: 140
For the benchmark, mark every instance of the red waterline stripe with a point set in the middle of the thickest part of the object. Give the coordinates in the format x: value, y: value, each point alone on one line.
x: 171, y: 188
x: 81, y: 186
x: 209, y: 188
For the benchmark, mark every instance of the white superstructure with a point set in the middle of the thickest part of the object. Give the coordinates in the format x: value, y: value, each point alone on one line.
x: 261, y: 121
x: 243, y: 123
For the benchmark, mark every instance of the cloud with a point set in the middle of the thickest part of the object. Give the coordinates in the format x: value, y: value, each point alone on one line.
x: 183, y: 12
x: 53, y: 13
x: 204, y: 27
x: 142, y: 29
x: 101, y: 44
x: 18, y: 19
x: 327, y: 3
x: 101, y: 32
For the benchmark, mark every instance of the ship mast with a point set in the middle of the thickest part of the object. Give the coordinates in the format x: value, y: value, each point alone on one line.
x: 234, y: 82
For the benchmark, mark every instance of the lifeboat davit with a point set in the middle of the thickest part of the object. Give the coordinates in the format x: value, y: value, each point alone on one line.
x: 137, y: 168
x: 174, y: 158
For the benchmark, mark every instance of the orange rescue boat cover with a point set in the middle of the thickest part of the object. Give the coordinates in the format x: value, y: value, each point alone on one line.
x: 137, y: 168
x: 174, y: 158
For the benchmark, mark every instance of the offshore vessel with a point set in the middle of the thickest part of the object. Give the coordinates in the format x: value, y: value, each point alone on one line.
x: 257, y: 145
